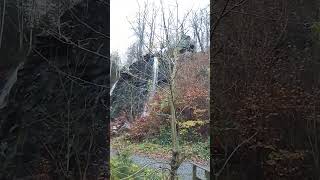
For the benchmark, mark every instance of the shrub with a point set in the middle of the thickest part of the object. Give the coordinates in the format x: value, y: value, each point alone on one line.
x: 201, y: 149
x: 189, y: 130
x: 164, y: 137
x: 145, y: 127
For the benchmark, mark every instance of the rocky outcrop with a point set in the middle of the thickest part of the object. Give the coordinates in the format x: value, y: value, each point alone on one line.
x: 132, y: 89
x: 186, y: 44
x: 134, y: 85
x: 55, y: 120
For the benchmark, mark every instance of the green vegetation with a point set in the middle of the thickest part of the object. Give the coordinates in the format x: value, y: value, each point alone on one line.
x: 161, y: 145
x: 122, y: 167
x: 315, y: 29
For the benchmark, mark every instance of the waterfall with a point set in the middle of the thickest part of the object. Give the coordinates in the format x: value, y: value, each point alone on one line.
x: 154, y: 84
x: 155, y: 76
x: 112, y: 88
x: 7, y: 87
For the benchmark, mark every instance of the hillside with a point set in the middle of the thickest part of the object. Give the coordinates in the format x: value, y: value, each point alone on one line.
x: 150, y: 135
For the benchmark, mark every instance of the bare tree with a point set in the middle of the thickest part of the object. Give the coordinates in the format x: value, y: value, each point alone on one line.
x: 197, y: 29
x: 132, y: 53
x: 20, y: 22
x: 206, y: 26
x: 172, y: 58
x: 139, y: 26
x: 152, y: 26
x: 200, y: 24
x: 31, y: 24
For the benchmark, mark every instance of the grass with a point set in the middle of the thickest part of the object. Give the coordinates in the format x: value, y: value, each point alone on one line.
x: 199, y: 151
x: 144, y: 147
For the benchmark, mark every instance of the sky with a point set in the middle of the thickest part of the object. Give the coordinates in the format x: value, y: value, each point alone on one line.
x: 121, y: 34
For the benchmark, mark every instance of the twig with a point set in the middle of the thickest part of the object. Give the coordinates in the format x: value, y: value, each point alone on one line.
x: 66, y: 74
x: 226, y: 162
x: 223, y: 14
x: 145, y: 166
x: 88, y: 26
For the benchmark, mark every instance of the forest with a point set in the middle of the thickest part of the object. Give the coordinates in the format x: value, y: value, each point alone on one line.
x: 264, y: 94
x: 223, y: 90
x: 160, y: 97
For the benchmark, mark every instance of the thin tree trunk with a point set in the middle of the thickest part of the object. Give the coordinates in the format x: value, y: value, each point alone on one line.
x: 199, y: 39
x: 174, y: 133
x: 2, y: 21
x: 30, y: 41
x: 174, y: 136
x: 21, y: 35
x: 32, y: 17
x: 152, y: 31
x: 131, y: 106
x: 21, y: 25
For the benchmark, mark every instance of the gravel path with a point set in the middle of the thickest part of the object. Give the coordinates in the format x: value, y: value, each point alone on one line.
x: 184, y: 171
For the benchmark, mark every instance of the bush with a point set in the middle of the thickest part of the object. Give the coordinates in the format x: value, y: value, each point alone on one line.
x: 164, y: 137
x: 190, y: 130
x: 201, y: 149
x: 144, y: 127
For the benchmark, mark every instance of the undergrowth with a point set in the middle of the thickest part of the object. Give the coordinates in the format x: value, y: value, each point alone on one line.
x: 122, y: 167
x: 162, y: 146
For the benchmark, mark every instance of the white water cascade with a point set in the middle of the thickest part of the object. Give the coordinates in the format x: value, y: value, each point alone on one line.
x: 112, y: 88
x: 154, y: 77
x: 4, y: 95
x: 154, y: 84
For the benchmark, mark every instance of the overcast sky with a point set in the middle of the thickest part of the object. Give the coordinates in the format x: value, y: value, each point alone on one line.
x: 121, y: 35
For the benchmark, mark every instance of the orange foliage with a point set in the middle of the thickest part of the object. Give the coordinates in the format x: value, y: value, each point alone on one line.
x: 145, y: 127
x: 192, y: 101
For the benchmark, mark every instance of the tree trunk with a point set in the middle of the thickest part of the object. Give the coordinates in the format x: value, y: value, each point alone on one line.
x: 2, y: 21
x: 21, y: 25
x: 30, y: 41
x: 199, y: 40
x: 174, y: 134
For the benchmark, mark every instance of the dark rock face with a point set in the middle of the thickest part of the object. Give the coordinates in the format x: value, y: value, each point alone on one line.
x: 186, y: 44
x: 131, y: 91
x: 57, y: 110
